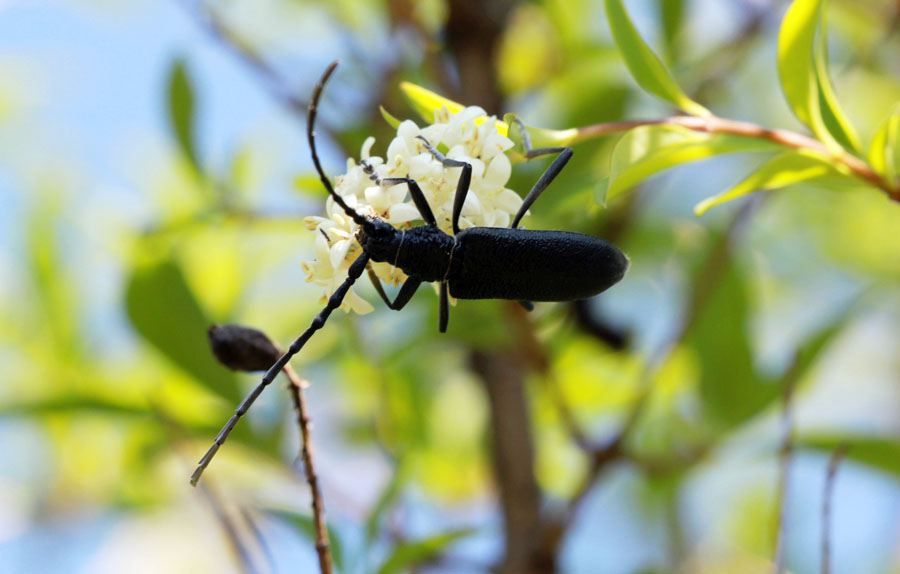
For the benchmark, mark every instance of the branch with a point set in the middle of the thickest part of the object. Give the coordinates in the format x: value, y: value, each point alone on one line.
x: 513, y: 456
x: 785, y: 138
x: 246, y: 349
x: 215, y: 25
x: 323, y: 548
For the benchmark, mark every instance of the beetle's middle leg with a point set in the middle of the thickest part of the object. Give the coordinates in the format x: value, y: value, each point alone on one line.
x: 462, y: 186
x: 565, y: 154
x: 403, y: 297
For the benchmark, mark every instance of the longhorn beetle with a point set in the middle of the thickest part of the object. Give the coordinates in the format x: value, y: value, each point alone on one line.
x: 474, y: 263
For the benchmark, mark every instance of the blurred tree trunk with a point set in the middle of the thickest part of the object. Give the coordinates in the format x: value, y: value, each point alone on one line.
x: 473, y: 33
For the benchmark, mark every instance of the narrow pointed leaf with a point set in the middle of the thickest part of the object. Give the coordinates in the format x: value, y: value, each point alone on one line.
x: 389, y: 118
x: 647, y: 150
x: 409, y: 554
x: 796, y: 39
x: 166, y: 313
x: 780, y: 171
x: 645, y: 66
x: 833, y: 116
x: 425, y: 103
x: 884, y: 152
x: 181, y: 112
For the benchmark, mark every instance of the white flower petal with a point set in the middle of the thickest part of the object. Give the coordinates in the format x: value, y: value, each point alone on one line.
x: 472, y: 206
x: 339, y: 252
x: 353, y: 302
x: 403, y: 213
x: 498, y: 171
x: 366, y: 148
x: 507, y: 200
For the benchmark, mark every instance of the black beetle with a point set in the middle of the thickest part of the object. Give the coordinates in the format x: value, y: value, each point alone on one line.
x: 475, y: 263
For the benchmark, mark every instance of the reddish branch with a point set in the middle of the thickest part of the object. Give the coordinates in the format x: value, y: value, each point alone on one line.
x: 785, y: 138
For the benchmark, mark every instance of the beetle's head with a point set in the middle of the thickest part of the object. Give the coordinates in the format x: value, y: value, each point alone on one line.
x: 377, y: 238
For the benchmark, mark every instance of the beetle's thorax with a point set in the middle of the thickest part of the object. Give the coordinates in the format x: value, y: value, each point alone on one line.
x: 423, y: 252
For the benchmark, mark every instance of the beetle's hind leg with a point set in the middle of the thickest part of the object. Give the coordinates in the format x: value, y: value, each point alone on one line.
x: 462, y: 186
x: 403, y: 297
x: 565, y: 154
x: 443, y: 309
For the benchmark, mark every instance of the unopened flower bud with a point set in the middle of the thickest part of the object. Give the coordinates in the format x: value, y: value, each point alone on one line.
x: 243, y: 348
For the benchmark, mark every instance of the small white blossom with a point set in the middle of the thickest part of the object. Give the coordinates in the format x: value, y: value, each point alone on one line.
x: 459, y: 136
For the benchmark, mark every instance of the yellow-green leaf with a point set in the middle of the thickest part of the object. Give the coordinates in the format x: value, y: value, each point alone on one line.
x: 803, y: 72
x: 796, y: 39
x: 425, y: 103
x: 645, y: 66
x: 647, y: 150
x: 834, y: 118
x: 884, y: 152
x: 780, y: 171
x: 389, y: 118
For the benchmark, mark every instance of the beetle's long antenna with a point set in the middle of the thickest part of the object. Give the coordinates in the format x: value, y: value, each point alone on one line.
x: 311, y: 135
x: 356, y: 270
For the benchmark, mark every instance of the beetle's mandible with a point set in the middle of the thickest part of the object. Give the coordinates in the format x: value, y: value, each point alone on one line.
x: 474, y: 263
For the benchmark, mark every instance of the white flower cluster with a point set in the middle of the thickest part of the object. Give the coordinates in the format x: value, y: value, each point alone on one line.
x: 467, y: 136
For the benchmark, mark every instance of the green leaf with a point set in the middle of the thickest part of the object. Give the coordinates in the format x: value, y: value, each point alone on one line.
x: 672, y: 12
x: 780, y: 171
x: 181, y: 112
x: 884, y: 152
x: 803, y: 72
x: 165, y: 312
x: 304, y: 524
x: 730, y: 386
x: 48, y: 274
x: 836, y: 121
x: 880, y: 453
x: 75, y: 404
x: 390, y: 119
x: 646, y: 68
x: 647, y: 150
x: 731, y: 389
x: 409, y: 554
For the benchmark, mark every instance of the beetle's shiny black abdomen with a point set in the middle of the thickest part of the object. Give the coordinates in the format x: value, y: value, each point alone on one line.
x: 532, y: 265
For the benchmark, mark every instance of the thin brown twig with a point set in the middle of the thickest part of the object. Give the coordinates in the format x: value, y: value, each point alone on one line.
x: 614, y: 449
x: 323, y: 547
x: 785, y: 138
x: 834, y: 462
